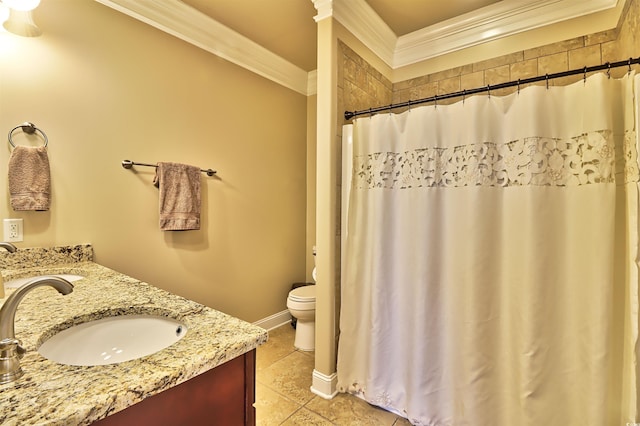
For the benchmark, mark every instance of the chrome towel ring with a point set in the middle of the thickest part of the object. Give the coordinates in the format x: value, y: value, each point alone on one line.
x: 28, y: 128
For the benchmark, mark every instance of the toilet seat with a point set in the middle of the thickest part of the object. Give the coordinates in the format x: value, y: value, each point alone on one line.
x: 303, y: 294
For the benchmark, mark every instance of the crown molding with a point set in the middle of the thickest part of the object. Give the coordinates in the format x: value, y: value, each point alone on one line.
x: 364, y: 23
x: 324, y: 8
x: 489, y: 23
x: 192, y: 26
x: 486, y: 24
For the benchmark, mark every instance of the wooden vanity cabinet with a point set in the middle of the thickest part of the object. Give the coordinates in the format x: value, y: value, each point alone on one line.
x: 221, y: 396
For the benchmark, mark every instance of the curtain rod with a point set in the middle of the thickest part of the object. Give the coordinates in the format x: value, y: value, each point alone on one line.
x: 348, y: 115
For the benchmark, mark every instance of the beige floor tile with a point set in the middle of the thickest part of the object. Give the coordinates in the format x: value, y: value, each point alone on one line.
x: 290, y: 377
x: 284, y: 375
x: 272, y: 408
x: 279, y: 345
x: 304, y: 417
x: 349, y: 410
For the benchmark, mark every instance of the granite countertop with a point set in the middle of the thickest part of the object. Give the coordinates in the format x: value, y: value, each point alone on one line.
x: 53, y: 394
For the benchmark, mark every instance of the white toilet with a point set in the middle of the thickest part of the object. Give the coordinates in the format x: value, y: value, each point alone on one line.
x: 302, y: 306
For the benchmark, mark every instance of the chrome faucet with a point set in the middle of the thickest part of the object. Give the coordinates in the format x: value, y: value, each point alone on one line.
x: 10, y: 348
x: 8, y: 246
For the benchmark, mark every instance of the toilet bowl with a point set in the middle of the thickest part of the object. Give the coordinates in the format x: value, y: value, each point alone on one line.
x: 302, y: 306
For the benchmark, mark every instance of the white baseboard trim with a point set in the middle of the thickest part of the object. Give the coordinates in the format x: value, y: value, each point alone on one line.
x: 323, y: 385
x: 274, y: 321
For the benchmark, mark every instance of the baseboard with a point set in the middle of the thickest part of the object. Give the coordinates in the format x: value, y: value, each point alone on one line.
x: 274, y: 321
x: 323, y: 385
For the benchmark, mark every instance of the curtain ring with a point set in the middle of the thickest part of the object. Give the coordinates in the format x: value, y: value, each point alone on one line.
x: 435, y: 101
x: 518, y: 86
x: 609, y: 70
x: 629, y: 65
x: 584, y: 75
x: 464, y: 95
x: 488, y: 90
x: 546, y: 77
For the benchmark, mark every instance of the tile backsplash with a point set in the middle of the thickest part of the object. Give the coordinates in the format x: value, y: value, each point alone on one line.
x: 45, y: 256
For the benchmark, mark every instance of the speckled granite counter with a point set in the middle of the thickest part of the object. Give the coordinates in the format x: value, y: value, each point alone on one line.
x: 55, y: 394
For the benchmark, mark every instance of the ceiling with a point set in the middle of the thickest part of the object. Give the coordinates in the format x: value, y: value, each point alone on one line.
x: 287, y: 27
x: 405, y: 16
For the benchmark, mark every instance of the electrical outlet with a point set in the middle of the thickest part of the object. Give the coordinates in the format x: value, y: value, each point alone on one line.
x: 12, y: 230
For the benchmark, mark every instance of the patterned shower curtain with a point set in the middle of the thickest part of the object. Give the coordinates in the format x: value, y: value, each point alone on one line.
x: 490, y: 265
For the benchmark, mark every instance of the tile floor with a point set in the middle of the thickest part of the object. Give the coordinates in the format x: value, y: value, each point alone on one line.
x: 283, y: 379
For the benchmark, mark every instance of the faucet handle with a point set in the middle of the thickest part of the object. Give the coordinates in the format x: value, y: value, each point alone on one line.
x: 20, y: 349
x: 8, y: 342
x: 10, y: 360
x: 10, y: 346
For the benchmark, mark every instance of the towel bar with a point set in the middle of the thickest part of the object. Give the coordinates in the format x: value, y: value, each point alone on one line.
x: 127, y: 164
x: 28, y: 128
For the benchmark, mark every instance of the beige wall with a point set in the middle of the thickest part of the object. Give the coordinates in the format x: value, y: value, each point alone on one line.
x: 312, y: 110
x: 326, y: 202
x: 105, y: 87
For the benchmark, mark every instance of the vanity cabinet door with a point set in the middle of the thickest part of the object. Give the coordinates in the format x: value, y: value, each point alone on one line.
x: 221, y: 396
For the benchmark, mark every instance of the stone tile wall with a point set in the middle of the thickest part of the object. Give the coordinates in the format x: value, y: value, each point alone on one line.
x: 594, y: 49
x: 360, y: 85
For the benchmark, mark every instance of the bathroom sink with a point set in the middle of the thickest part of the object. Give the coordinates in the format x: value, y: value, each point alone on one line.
x: 18, y: 282
x: 112, y: 340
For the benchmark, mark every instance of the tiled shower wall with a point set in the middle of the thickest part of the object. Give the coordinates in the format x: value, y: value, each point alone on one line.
x: 361, y: 86
x: 594, y: 49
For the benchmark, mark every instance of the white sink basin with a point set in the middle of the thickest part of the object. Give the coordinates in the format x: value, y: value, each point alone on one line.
x: 112, y: 340
x: 19, y: 281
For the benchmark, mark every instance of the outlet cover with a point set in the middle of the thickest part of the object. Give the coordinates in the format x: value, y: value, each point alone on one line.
x: 12, y: 230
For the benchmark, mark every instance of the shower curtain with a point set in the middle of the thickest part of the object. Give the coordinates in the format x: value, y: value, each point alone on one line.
x: 490, y: 265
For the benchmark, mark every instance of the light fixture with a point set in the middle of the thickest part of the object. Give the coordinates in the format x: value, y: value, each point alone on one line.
x: 20, y: 19
x: 22, y: 5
